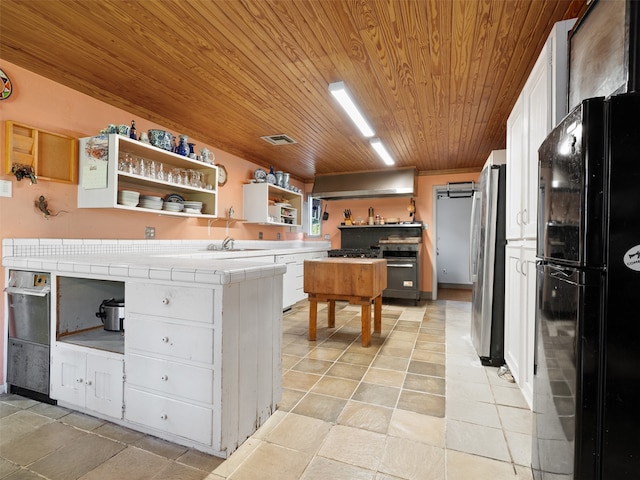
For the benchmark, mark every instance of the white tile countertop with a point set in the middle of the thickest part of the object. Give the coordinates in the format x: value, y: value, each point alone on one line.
x: 169, y: 260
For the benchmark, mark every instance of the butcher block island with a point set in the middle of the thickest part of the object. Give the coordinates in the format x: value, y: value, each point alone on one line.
x: 358, y: 281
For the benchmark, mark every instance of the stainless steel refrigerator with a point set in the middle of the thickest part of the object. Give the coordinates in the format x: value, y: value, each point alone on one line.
x: 488, y: 241
x: 586, y: 397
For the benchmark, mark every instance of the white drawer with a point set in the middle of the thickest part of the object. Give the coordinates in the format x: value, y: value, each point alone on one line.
x: 171, y: 416
x: 185, y: 303
x: 285, y: 259
x: 177, y: 379
x: 187, y: 342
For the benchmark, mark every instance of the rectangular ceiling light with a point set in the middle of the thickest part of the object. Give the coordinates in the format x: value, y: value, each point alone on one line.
x: 382, y: 152
x: 340, y: 92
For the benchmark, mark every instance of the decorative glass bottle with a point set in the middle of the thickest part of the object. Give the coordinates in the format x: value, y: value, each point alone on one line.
x: 183, y: 147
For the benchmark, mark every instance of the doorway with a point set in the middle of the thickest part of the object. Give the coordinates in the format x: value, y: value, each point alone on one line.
x: 452, y: 219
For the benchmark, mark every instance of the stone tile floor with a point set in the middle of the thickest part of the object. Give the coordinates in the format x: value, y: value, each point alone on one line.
x: 417, y: 404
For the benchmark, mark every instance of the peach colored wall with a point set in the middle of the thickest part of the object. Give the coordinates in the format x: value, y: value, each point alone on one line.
x: 44, y: 104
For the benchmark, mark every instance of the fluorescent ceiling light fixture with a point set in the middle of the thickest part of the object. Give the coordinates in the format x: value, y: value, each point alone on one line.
x: 382, y: 152
x: 340, y: 92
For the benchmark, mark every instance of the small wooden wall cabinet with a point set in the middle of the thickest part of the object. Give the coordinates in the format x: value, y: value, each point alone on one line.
x: 51, y: 155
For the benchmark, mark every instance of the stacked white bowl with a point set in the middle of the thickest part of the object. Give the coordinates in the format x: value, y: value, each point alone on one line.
x: 149, y: 201
x: 173, y: 206
x: 192, y: 207
x: 128, y: 198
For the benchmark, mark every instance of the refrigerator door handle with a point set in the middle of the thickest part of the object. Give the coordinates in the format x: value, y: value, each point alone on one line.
x: 472, y: 259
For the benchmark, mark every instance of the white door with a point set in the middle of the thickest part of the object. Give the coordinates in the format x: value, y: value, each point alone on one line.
x: 453, y: 224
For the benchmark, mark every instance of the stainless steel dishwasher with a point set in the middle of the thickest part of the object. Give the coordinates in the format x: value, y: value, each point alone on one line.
x: 28, y: 298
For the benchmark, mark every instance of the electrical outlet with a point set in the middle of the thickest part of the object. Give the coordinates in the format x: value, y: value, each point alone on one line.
x: 260, y: 236
x: 278, y: 236
x: 327, y: 236
x: 149, y: 232
x: 5, y: 188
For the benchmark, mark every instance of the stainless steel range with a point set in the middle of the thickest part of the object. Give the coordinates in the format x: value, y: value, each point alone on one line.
x: 399, y: 244
x: 403, y: 267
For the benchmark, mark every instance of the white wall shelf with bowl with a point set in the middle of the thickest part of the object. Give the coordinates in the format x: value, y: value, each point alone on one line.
x: 269, y: 204
x: 104, y: 173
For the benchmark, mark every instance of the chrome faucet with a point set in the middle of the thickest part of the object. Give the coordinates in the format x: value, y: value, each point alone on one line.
x: 227, y: 243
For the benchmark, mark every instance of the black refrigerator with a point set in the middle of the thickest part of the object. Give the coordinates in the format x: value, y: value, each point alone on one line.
x: 586, y: 404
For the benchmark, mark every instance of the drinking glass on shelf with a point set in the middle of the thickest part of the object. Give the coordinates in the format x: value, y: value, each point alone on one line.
x: 160, y: 175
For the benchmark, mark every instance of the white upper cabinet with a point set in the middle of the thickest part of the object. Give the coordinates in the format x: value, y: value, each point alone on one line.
x: 111, y: 164
x: 540, y: 106
x: 271, y: 205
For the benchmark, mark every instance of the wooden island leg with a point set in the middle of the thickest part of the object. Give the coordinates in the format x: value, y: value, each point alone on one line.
x: 313, y: 317
x: 332, y: 313
x: 377, y: 314
x: 366, y: 323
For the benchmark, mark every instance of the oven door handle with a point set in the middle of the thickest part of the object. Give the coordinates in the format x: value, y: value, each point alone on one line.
x: 400, y: 265
x: 35, y: 292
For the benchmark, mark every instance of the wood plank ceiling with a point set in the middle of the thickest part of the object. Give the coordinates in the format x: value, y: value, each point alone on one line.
x: 436, y: 78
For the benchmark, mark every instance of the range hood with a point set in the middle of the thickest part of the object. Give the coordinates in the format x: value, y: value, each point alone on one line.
x: 378, y: 183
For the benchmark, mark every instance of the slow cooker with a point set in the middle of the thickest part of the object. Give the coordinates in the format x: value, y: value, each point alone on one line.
x: 111, y: 312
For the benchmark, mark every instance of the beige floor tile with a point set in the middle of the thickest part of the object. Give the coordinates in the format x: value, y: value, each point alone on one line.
x: 406, y: 458
x: 381, y: 376
x: 346, y: 370
x: 297, y: 349
x: 513, y: 419
x: 418, y: 427
x: 271, y: 423
x: 272, y: 462
x: 237, y: 458
x: 19, y: 402
x: 19, y: 424
x: 320, y: 406
x: 324, y: 468
x: 469, y: 374
x: 116, y: 432
x: 290, y: 399
x: 431, y: 347
x: 428, y: 356
x: 423, y: 383
x: 77, y: 458
x: 51, y: 411
x: 477, y: 440
x: 131, y: 463
x: 7, y: 409
x: 520, y: 447
x: 335, y: 387
x: 176, y: 471
x: 312, y: 365
x: 160, y: 447
x: 524, y: 472
x: 376, y: 394
x: 200, y: 460
x: 299, y: 432
x: 463, y: 466
x: 299, y: 380
x: 40, y: 443
x: 424, y: 403
x: 7, y: 468
x: 23, y: 475
x: 479, y: 392
x: 508, y: 396
x: 470, y: 411
x: 289, y: 361
x: 426, y: 368
x: 321, y: 353
x: 368, y: 417
x: 391, y: 363
x: 82, y: 421
x: 357, y: 358
x: 354, y: 446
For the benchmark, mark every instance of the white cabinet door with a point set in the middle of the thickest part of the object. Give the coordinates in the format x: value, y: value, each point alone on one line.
x: 520, y: 305
x: 513, y: 321
x: 104, y: 385
x: 515, y: 169
x: 88, y: 380
x: 68, y: 368
x: 289, y: 279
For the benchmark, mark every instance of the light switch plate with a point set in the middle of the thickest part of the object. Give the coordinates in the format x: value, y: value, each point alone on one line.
x: 5, y: 188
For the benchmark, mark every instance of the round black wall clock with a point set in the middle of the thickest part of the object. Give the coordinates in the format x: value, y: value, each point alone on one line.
x: 7, y: 88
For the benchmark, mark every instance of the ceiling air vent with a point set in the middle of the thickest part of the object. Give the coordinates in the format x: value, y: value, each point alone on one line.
x: 280, y: 139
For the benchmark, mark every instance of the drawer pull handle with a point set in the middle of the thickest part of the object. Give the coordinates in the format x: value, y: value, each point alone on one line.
x: 88, y: 382
x: 164, y: 377
x: 165, y: 301
x: 165, y: 339
x: 79, y: 380
x: 163, y: 416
